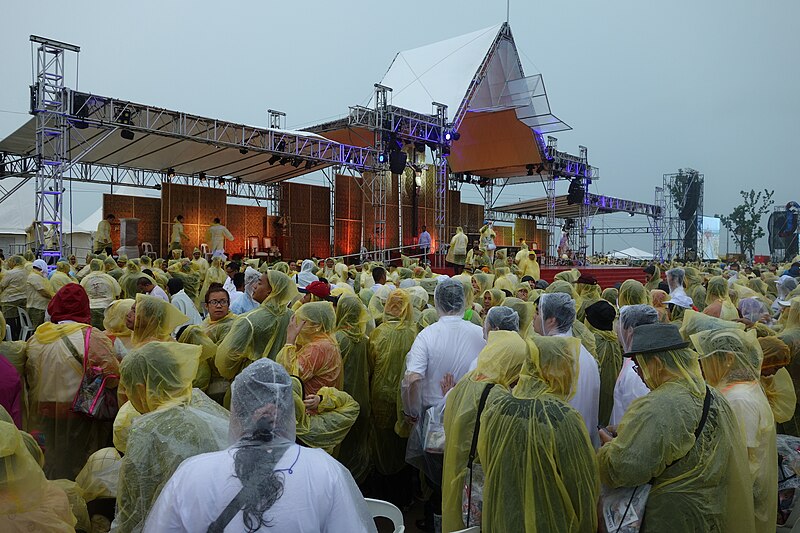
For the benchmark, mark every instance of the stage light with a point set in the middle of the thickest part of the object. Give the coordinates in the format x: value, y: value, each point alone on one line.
x: 381, y: 158
x: 448, y: 136
x: 126, y: 134
x: 631, y: 213
x: 530, y: 169
x: 309, y: 164
x: 243, y: 151
x: 221, y: 181
x: 170, y: 172
x: 296, y: 162
x: 274, y: 159
x: 284, y: 160
x: 281, y: 146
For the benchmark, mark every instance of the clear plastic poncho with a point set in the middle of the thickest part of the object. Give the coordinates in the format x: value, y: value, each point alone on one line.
x: 718, y: 301
x: 99, y: 478
x: 632, y: 292
x: 731, y: 361
x: 499, y: 362
x: 351, y: 322
x: 314, y: 357
x: 697, y: 484
x: 157, y: 379
x: 525, y: 310
x: 29, y: 502
x: 388, y: 345
x: 609, y: 362
x: 694, y: 287
x: 776, y: 380
x: 155, y: 320
x: 196, y: 335
x: 539, y: 464
x: 695, y: 322
x: 129, y: 280
x: 259, y: 333
x: 214, y: 274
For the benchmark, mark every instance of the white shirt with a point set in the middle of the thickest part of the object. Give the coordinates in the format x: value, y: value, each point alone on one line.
x: 185, y: 305
x: 448, y: 346
x: 424, y: 239
x: 230, y: 287
x: 158, y: 292
x: 629, y: 387
x: 236, y: 296
x: 587, y: 397
x: 319, y: 495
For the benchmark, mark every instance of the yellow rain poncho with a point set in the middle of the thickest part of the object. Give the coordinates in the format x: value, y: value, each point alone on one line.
x: 190, y: 279
x: 481, y: 283
x: 776, y: 380
x: 328, y: 426
x: 114, y: 324
x: 159, y: 274
x: 378, y: 301
x: 457, y: 253
x: 790, y: 335
x: 653, y: 279
x: 388, y: 345
x: 718, y: 301
x: 609, y: 362
x: 314, y: 357
x: 155, y: 320
x: 29, y: 502
x: 731, y: 361
x: 694, y: 287
x: 129, y: 279
x: 351, y: 322
x: 491, y: 298
x: 502, y: 281
x: 157, y: 379
x: 611, y: 295
x: 214, y: 274
x: 570, y: 276
x: 697, y: 484
x: 694, y: 322
x: 631, y: 292
x: 539, y: 465
x: 471, y: 312
x: 589, y: 294
x: 196, y: 335
x: 529, y: 266
x: 660, y: 299
x: 579, y: 330
x: 99, y: 478
x: 61, y: 276
x: 499, y: 362
x: 261, y: 332
x: 525, y: 310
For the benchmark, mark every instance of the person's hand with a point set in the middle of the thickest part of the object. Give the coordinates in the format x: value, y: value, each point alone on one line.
x: 447, y: 383
x: 293, y: 329
x: 312, y: 402
x: 607, y: 434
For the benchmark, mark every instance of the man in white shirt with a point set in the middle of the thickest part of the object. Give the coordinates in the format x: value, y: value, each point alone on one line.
x: 145, y: 285
x: 555, y: 315
x: 448, y: 346
x: 182, y: 301
x: 231, y: 269
x: 217, y: 233
x: 424, y: 243
x: 629, y: 385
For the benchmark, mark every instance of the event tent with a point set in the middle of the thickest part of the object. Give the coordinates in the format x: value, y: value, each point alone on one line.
x: 632, y: 253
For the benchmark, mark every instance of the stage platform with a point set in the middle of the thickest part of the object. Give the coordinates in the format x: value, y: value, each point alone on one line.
x: 606, y: 276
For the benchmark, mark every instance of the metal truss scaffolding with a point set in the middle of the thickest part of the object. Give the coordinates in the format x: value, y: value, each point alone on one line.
x: 50, y: 106
x: 676, y: 229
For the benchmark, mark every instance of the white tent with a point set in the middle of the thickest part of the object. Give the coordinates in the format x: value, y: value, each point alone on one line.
x: 632, y: 253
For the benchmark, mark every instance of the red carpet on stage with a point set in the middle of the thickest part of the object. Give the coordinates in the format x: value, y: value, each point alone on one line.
x: 606, y: 276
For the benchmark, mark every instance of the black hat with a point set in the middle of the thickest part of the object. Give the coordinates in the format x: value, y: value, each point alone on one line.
x: 655, y: 338
x: 601, y: 315
x: 587, y: 279
x: 649, y: 270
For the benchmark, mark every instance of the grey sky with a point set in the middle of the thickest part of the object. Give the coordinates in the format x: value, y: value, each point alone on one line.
x: 648, y: 87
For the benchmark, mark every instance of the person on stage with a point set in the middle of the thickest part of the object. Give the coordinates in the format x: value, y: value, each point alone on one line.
x: 424, y: 244
x: 178, y: 235
x: 217, y: 233
x: 102, y: 239
x: 457, y: 254
x: 487, y: 240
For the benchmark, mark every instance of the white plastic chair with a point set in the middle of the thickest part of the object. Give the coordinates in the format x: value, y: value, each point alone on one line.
x: 147, y: 249
x: 204, y: 252
x: 473, y: 529
x: 8, y: 333
x: 26, y: 326
x: 380, y: 508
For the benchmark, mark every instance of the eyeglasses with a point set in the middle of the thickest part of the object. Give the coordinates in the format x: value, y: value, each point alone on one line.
x: 218, y: 302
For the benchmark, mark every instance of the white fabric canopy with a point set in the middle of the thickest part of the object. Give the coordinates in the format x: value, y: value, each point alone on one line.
x: 632, y: 253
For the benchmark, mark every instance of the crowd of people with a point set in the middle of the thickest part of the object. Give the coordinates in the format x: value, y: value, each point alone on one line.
x: 182, y: 395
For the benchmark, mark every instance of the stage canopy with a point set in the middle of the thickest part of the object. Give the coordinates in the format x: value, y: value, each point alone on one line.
x: 599, y: 205
x: 632, y: 253
x: 498, y: 110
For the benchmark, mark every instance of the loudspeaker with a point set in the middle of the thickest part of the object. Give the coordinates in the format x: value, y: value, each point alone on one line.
x: 397, y: 161
x: 690, y: 239
x: 575, y: 192
x: 690, y: 200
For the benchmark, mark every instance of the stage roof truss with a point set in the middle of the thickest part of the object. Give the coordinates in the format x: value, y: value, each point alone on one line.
x: 408, y: 126
x: 598, y: 204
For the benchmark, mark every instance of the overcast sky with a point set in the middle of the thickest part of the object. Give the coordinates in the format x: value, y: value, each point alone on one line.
x: 648, y: 87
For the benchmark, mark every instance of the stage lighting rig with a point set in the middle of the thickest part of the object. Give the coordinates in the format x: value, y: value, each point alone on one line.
x: 309, y: 165
x: 243, y: 150
x: 296, y: 162
x: 274, y: 159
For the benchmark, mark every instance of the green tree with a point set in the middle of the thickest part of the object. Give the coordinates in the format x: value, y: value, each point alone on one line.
x: 744, y: 222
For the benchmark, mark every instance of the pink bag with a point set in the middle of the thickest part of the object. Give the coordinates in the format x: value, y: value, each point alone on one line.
x: 94, y: 398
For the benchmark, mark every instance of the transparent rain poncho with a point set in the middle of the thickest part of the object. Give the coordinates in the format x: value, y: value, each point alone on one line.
x: 388, y: 345
x: 155, y: 320
x: 653, y: 279
x: 589, y: 294
x: 776, y: 380
x: 525, y: 310
x: 99, y: 478
x: 157, y: 379
x: 214, y: 274
x: 697, y: 484
x: 259, y: 333
x: 731, y: 361
x: 378, y: 301
x: 632, y: 292
x: 718, y: 301
x: 129, y: 279
x: 694, y: 287
x: 695, y: 322
x: 470, y: 312
x: 351, y: 322
x: 61, y: 276
x: 609, y: 362
x: 196, y: 335
x: 611, y: 295
x: 29, y: 502
x: 579, y: 330
x: 314, y: 357
x: 790, y: 335
x: 539, y: 465
x: 499, y: 362
x: 754, y: 310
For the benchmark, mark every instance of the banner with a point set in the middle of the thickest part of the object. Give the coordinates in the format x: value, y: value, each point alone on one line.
x: 710, y: 238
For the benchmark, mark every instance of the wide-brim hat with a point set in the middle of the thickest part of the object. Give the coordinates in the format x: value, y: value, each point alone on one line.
x: 655, y: 338
x: 587, y: 279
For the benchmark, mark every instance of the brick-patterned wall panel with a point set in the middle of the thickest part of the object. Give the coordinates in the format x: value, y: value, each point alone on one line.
x: 348, y: 216
x: 320, y: 245
x: 348, y: 237
x: 147, y: 210
x: 121, y: 207
x: 505, y: 236
x: 198, y: 205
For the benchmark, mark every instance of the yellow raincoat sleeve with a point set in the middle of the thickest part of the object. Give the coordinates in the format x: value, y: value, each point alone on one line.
x: 780, y: 394
x: 328, y: 426
x: 233, y: 353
